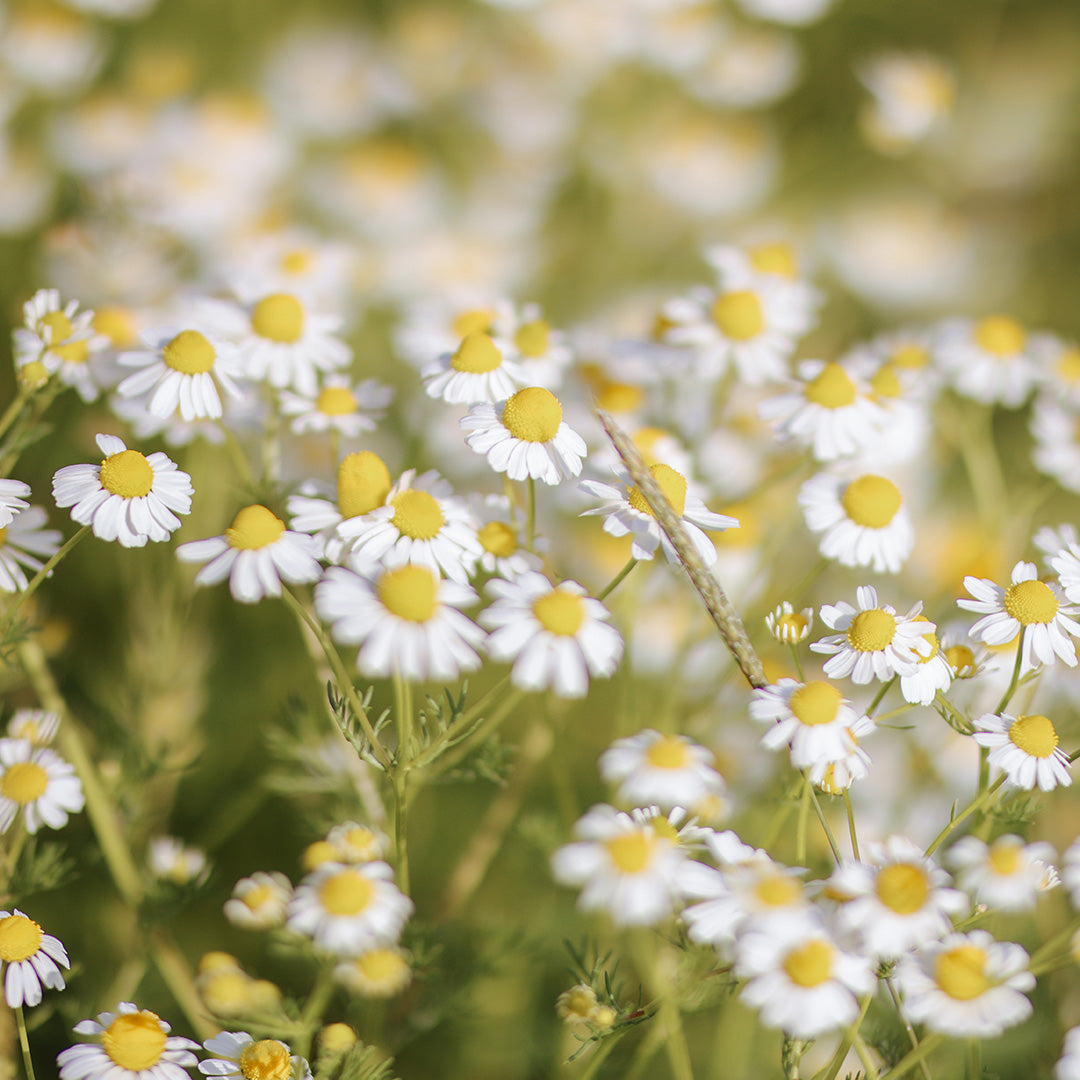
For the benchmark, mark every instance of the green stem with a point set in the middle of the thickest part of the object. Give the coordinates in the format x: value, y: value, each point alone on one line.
x: 804, y: 818
x: 879, y: 695
x: 13, y: 410
x: 44, y: 572
x: 403, y: 717
x: 824, y: 823
x: 899, y: 1005
x: 911, y: 1059
x: 975, y: 804
x: 974, y: 1059
x: 851, y: 825
x: 314, y: 1007
x: 795, y: 659
x: 1015, y: 674
x: 530, y: 516
x: 1048, y: 948
x: 599, y: 1057
x: 830, y: 1071
x: 869, y: 1070
x: 24, y: 1042
x: 460, y: 730
x: 400, y: 779
x: 617, y: 579
x: 476, y: 735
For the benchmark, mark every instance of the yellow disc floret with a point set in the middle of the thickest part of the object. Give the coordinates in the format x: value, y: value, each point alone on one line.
x: 902, y: 887
x: 24, y: 782
x: 1005, y: 856
x: 189, y: 353
x: 479, y: 320
x: 961, y: 972
x: 117, y: 324
x: 417, y: 515
x: 266, y: 1059
x: 739, y: 315
x: 533, y: 339
x: 335, y: 401
x: 962, y: 660
x: 1035, y: 735
x: 776, y: 258
x: 384, y: 969
x: 253, y: 528
x: 560, y: 612
x: 810, y: 964
x: 498, y: 539
x: 477, y: 354
x: 886, y: 383
x: 58, y: 326
x: 20, y: 938
x: 135, y: 1041
x: 910, y: 357
x: 871, y: 501
x: 127, y: 474
x: 778, y: 890
x: 1067, y: 367
x: 363, y: 482
x: 669, y: 752
x: 832, y: 388
x: 533, y: 415
x: 410, y: 592
x: 871, y: 630
x: 670, y: 482
x: 632, y: 852
x: 1000, y: 336
x: 279, y: 318
x: 1031, y: 602
x: 346, y: 893
x: 816, y: 703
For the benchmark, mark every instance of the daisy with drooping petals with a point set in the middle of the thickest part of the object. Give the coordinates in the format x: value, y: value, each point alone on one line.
x: 383, y: 972
x: 669, y: 770
x: 863, y: 521
x: 1065, y: 562
x: 33, y: 959
x: 405, y: 620
x: 13, y: 496
x: 835, y: 777
x: 238, y: 1055
x: 989, y: 360
x: 37, y: 726
x: 52, y: 334
x: 626, y: 511
x: 526, y: 436
x: 128, y: 497
x: 932, y: 673
x: 788, y: 625
x: 967, y: 985
x: 20, y: 544
x: 811, y: 718
x: 1007, y: 874
x: 556, y: 636
x: 349, y: 909
x: 259, y: 902
x: 256, y: 553
x: 135, y: 1045
x: 1027, y: 605
x: 476, y: 371
x: 499, y: 538
x: 1026, y: 749
x: 39, y: 783
x: 339, y: 406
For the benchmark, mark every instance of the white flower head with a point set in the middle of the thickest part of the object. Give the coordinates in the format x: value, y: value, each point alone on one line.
x: 382, y: 972
x: 1007, y: 874
x: 933, y: 672
x: 788, y: 625
x: 1068, y: 1065
x: 54, y: 334
x: 1026, y: 749
x: 170, y: 859
x: 339, y: 406
x: 499, y: 536
x: 259, y: 902
x: 23, y: 544
x: 669, y: 770
x: 836, y: 777
x: 812, y: 718
x: 238, y: 1055
x: 476, y: 371
x: 356, y: 843
x: 33, y: 959
x: 13, y: 496
x: 988, y: 360
x: 37, y: 783
x: 37, y: 726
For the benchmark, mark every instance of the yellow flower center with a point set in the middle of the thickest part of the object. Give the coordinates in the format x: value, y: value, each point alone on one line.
x: 816, y: 703
x: 498, y: 539
x: 189, y: 353
x: 670, y: 482
x: 1005, y: 857
x: 74, y: 352
x: 253, y: 528
x: 778, y: 890
x: 409, y: 592
x: 24, y: 782
x: 871, y: 630
x: 3, y: 541
x: 829, y: 785
x: 266, y: 1059
x: 58, y: 324
x: 363, y: 482
x: 382, y: 966
x: 127, y: 474
x: 632, y: 852
x: 560, y: 612
x: 1000, y: 336
x: 911, y: 357
x: 617, y: 397
x: 226, y: 992
x: 1031, y: 602
x: 135, y: 1041
x: 117, y: 324
x: 477, y: 321
x: 322, y: 851
x: 832, y: 388
x: 810, y: 964
x: 886, y: 383
x: 279, y: 317
x: 664, y: 829
x: 1035, y: 735
x: 257, y: 897
x: 477, y: 354
x: 533, y: 415
x: 417, y: 515
x: 931, y: 639
x: 962, y: 660
x: 791, y: 627
x: 670, y: 752
x: 903, y: 888
x: 347, y: 893
x: 335, y: 401
x: 961, y: 972
x: 533, y: 339
x: 20, y: 938
x: 777, y: 258
x: 1068, y: 365
x: 739, y: 315
x: 363, y: 842
x: 871, y: 501
x: 296, y: 262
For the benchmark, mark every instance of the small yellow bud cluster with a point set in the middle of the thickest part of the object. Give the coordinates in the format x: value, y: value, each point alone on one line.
x: 579, y: 1005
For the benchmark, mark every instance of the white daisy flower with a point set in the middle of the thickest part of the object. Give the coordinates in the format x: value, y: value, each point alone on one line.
x: 39, y: 783
x: 182, y: 370
x: 170, y: 859
x: 499, y: 538
x: 556, y: 636
x: 404, y: 619
x: 13, y: 496
x: 913, y: 96
x: 1027, y: 605
x: 874, y: 643
x: 802, y: 981
x: 1059, y: 367
x: 626, y: 867
x: 135, y: 1045
x: 933, y: 672
x: 36, y: 726
x: 835, y: 777
x: 526, y: 436
x: 237, y: 1054
x: 827, y: 410
x: 20, y: 543
x: 811, y: 718
x: 669, y: 770
x: 788, y: 625
x: 421, y: 523
x: 863, y: 521
x: 1056, y: 452
x: 1007, y: 874
x: 383, y: 972
x: 1065, y: 562
x: 1068, y: 1065
x: 968, y: 985
x: 256, y: 553
x: 53, y: 335
x: 338, y: 406
x: 33, y: 959
x: 128, y: 497
x: 627, y: 512
x: 259, y: 902
x: 356, y: 843
x: 898, y: 898
x: 476, y: 371
x: 988, y: 360
x: 347, y: 910
x: 1026, y: 749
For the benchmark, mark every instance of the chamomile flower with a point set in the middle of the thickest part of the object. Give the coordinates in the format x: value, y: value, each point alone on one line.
x: 21, y: 542
x: 338, y: 406
x: 13, y: 496
x: 828, y: 410
x: 1056, y: 452
x: 967, y: 985
x: 863, y: 520
x: 33, y: 959
x: 421, y: 523
x: 913, y: 96
x: 347, y: 910
x: 383, y: 972
x: 556, y: 636
x: 129, y: 497
x: 259, y: 902
x: 626, y: 867
x: 1068, y: 1065
x: 1027, y: 605
x: 53, y: 334
x: 238, y: 1055
x: 933, y: 672
x: 37, y: 783
x: 1007, y: 874
x: 988, y: 360
x: 627, y: 512
x: 812, y: 718
x: 135, y: 1045
x: 405, y: 620
x: 788, y: 625
x: 256, y: 553
x: 669, y: 770
x: 499, y: 536
x: 874, y: 643
x: 477, y: 370
x: 356, y: 843
x: 170, y: 859
x: 37, y: 726
x: 526, y: 436
x: 1026, y: 749
x: 835, y: 777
